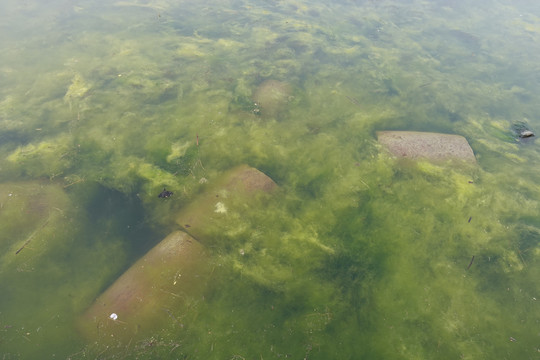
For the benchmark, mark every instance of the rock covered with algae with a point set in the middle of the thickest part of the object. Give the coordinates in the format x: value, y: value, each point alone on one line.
x: 431, y: 146
x: 170, y: 274
x: 237, y: 185
x: 29, y: 213
x: 174, y: 273
x: 271, y: 98
x: 77, y: 89
x: 522, y: 130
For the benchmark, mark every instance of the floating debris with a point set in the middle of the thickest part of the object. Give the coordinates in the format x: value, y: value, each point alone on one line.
x: 220, y: 208
x: 165, y: 194
x: 468, y: 267
x: 526, y: 134
x: 522, y: 130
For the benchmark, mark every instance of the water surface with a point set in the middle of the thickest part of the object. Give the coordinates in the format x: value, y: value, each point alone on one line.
x: 359, y: 255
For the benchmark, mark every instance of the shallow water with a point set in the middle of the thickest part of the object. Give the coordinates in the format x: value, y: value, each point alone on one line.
x: 357, y: 255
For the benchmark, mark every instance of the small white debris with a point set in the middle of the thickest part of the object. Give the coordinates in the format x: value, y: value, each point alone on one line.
x: 220, y: 208
x: 113, y: 316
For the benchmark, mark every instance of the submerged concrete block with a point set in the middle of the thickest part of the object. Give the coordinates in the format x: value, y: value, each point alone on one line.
x: 142, y: 299
x: 29, y: 214
x: 271, y: 98
x: 175, y: 272
x: 236, y: 186
x: 432, y: 146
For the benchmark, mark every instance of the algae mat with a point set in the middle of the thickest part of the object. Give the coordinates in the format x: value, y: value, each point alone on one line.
x: 360, y: 255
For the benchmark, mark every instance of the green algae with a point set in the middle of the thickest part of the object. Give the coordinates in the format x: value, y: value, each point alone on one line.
x: 358, y: 255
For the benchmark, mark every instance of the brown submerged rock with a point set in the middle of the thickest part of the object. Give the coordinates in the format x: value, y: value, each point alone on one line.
x: 236, y: 186
x: 431, y: 146
x: 143, y: 298
x: 161, y: 285
x: 272, y: 97
x: 29, y: 213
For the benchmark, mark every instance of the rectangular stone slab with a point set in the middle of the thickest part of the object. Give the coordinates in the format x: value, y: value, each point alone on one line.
x: 427, y: 145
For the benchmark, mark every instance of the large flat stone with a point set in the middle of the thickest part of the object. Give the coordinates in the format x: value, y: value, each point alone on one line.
x: 432, y: 146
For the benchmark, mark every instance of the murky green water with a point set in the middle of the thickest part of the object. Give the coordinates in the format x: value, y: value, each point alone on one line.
x: 358, y: 256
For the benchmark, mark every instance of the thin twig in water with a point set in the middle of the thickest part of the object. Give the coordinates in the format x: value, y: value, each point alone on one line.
x: 31, y: 236
x: 521, y: 256
x: 353, y: 100
x: 171, y: 293
x: 174, y: 348
x: 198, y: 162
x: 363, y: 182
x: 468, y: 267
x: 73, y: 183
x: 173, y: 317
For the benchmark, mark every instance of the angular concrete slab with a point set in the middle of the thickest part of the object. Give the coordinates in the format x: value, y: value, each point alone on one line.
x: 432, y: 146
x: 163, y: 283
x: 144, y: 297
x: 237, y: 185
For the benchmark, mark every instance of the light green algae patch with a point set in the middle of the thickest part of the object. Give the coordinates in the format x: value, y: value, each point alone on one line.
x: 77, y: 89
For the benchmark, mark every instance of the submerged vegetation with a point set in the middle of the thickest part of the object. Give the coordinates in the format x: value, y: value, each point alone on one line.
x: 357, y: 255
